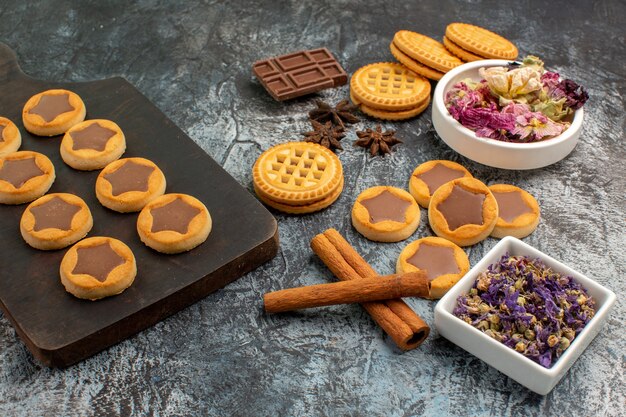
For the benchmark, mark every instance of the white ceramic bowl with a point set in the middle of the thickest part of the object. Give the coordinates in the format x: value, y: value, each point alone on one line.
x: 515, y: 365
x: 493, y: 152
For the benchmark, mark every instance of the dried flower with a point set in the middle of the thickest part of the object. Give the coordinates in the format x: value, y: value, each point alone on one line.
x: 523, y: 304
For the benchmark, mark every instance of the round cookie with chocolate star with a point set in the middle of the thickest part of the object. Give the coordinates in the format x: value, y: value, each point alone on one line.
x: 128, y: 184
x: 53, y: 112
x: 443, y: 262
x: 385, y: 214
x: 431, y: 175
x: 10, y: 137
x: 174, y: 223
x: 24, y: 176
x: 92, y: 144
x: 98, y: 267
x: 464, y: 211
x: 518, y: 211
x: 55, y: 221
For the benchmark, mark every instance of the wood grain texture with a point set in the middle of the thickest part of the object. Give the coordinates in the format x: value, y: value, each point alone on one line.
x: 223, y: 356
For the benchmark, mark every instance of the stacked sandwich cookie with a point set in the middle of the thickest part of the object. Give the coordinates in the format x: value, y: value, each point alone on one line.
x: 473, y: 43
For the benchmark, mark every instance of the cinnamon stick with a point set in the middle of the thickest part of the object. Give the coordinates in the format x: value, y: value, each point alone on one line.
x: 412, y: 284
x: 396, y: 318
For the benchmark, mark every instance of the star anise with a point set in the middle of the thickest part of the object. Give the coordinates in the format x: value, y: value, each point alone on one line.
x: 340, y: 114
x: 326, y: 135
x: 377, y: 140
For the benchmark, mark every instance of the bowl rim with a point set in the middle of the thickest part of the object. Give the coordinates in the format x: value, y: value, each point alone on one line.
x: 561, y: 365
x: 443, y: 86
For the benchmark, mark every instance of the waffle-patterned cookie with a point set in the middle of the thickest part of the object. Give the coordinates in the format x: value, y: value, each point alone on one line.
x: 413, y: 65
x: 389, y: 86
x: 392, y: 115
x: 425, y: 50
x: 460, y: 52
x: 481, y: 41
x: 296, y: 173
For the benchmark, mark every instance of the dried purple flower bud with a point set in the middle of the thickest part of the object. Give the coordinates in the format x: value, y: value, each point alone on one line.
x: 564, y: 343
x: 520, y: 346
x: 529, y: 334
x: 553, y: 340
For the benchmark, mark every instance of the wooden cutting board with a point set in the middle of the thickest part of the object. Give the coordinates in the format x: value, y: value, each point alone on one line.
x: 60, y: 329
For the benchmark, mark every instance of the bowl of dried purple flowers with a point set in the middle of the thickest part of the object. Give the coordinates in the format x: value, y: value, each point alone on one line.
x: 512, y: 115
x: 524, y: 313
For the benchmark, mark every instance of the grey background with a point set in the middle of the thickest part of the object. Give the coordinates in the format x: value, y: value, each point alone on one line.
x: 223, y: 356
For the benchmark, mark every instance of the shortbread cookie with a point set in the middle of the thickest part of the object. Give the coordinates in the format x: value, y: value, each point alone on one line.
x: 128, y: 184
x: 431, y: 175
x: 463, y: 210
x: 481, y: 41
x: 10, y: 137
x: 392, y: 115
x: 413, y: 65
x: 92, y: 144
x: 98, y: 267
x: 518, y: 211
x: 298, y: 174
x: 460, y: 52
x: 24, y: 176
x: 425, y: 50
x: 385, y: 214
x: 389, y: 86
x: 309, y: 208
x: 443, y: 262
x: 174, y: 223
x: 53, y: 112
x: 55, y: 221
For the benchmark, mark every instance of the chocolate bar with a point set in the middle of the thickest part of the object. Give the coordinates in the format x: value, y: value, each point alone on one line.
x: 299, y: 73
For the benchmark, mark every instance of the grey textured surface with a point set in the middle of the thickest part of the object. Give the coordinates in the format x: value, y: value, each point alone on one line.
x: 222, y: 356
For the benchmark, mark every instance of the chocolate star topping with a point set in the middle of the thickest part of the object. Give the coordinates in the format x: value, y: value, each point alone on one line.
x: 338, y: 115
x: 93, y: 137
x: 55, y: 213
x: 325, y: 135
x: 51, y: 106
x: 18, y: 171
x: 97, y: 261
x: 174, y: 216
x: 1, y: 133
x: 386, y: 206
x: 129, y: 177
x: 435, y: 260
x: 377, y: 140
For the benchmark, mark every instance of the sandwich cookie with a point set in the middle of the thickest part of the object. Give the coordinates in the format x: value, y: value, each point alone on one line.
x: 426, y: 51
x: 431, y: 175
x: 53, y: 112
x: 92, y: 144
x: 443, y: 262
x: 55, y: 221
x: 128, y: 184
x: 518, y: 211
x: 463, y: 210
x: 98, y: 267
x: 174, y: 223
x: 10, y: 137
x: 24, y: 176
x: 479, y: 41
x: 385, y: 214
x: 389, y: 91
x: 298, y: 177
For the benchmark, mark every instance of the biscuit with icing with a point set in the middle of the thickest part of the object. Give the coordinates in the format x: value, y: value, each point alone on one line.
x: 463, y: 210
x: 385, y: 214
x: 430, y: 175
x: 518, y: 211
x: 128, y: 184
x: 98, y: 267
x: 174, y: 223
x: 55, y: 221
x: 53, y: 112
x: 24, y: 176
x: 10, y: 137
x: 92, y: 144
x: 443, y: 262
